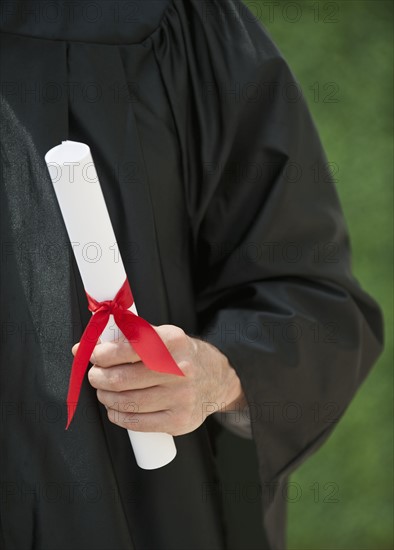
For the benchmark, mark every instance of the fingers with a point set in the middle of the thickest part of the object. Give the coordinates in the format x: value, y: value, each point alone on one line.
x: 126, y: 377
x: 166, y: 421
x: 107, y: 354
x: 145, y: 400
x: 141, y: 399
x: 175, y: 339
x: 76, y: 346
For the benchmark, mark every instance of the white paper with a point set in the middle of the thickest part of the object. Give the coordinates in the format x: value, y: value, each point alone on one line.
x: 91, y: 235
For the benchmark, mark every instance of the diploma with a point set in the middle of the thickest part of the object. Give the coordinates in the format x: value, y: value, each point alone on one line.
x: 93, y: 241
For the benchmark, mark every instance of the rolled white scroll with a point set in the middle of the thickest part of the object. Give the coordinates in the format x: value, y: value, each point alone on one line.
x: 92, y: 238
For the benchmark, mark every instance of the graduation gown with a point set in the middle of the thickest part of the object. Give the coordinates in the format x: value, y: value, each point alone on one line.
x: 229, y: 225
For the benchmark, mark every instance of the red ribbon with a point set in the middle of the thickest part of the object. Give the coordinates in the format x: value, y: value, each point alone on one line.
x: 145, y: 340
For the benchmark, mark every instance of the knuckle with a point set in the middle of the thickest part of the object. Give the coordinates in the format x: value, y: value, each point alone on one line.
x: 113, y: 416
x: 97, y: 356
x: 106, y: 354
x: 118, y: 352
x: 128, y: 403
x: 186, y: 366
x: 101, y: 396
x: 116, y: 380
x: 92, y: 376
x: 177, y: 337
x: 118, y: 417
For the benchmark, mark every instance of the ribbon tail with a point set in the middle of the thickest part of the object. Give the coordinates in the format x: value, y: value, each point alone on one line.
x: 80, y: 364
x: 147, y: 343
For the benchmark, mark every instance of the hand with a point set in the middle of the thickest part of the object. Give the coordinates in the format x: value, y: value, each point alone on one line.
x: 143, y: 400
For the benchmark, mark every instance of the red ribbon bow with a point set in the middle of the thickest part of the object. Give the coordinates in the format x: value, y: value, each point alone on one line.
x: 145, y: 340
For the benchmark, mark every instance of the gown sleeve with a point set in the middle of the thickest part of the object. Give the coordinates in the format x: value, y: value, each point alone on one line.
x: 272, y: 269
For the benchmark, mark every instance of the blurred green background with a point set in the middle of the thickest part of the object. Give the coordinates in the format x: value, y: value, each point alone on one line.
x: 342, y: 55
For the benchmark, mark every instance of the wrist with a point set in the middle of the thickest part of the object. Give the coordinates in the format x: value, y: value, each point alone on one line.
x: 229, y: 395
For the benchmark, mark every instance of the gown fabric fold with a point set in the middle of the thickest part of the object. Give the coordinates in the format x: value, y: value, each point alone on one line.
x: 229, y: 226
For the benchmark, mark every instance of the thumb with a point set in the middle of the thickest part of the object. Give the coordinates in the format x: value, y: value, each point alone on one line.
x: 75, y: 347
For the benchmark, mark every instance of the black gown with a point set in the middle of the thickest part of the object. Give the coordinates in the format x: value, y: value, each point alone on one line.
x: 229, y: 226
